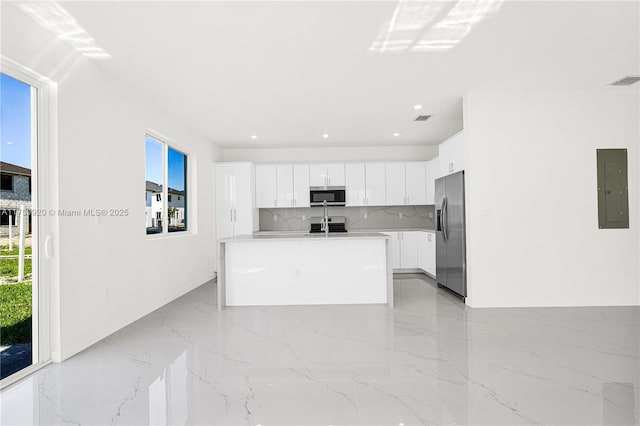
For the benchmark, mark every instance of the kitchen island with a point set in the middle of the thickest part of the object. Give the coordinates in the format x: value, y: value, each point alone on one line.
x: 305, y: 269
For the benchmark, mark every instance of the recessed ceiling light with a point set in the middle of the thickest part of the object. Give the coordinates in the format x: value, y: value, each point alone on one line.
x: 418, y: 106
x: 9, y: 142
x: 254, y: 137
x: 396, y: 134
x: 325, y: 135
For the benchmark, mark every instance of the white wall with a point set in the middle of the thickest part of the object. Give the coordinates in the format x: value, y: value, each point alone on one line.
x: 337, y: 154
x: 110, y: 272
x: 532, y: 220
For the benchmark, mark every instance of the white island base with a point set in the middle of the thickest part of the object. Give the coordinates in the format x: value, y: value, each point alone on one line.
x: 305, y: 270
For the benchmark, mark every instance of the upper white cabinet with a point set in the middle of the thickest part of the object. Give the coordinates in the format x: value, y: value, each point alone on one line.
x: 327, y: 174
x: 376, y: 191
x: 301, y: 185
x: 282, y: 185
x: 335, y: 172
x: 395, y: 184
x: 365, y: 184
x: 431, y: 173
x: 356, y: 186
x: 266, y: 186
x: 416, y: 183
x: 406, y: 183
x: 318, y: 175
x: 235, y: 194
x: 451, y: 155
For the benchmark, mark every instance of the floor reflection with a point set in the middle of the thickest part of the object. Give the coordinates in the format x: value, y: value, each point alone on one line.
x: 430, y: 360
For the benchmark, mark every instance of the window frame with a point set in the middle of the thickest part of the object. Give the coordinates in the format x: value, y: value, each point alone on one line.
x: 167, y: 143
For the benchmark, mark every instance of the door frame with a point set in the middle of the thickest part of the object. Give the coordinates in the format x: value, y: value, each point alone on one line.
x: 44, y: 196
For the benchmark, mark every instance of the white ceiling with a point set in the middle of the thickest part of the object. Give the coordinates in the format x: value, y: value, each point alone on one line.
x: 291, y: 71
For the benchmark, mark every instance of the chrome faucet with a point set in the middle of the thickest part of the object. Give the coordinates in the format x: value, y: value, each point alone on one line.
x: 324, y: 226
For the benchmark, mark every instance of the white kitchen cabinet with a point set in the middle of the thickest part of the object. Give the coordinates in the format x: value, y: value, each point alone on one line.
x: 423, y: 244
x: 451, y: 154
x: 431, y: 173
x: 235, y: 198
x: 431, y: 253
x: 327, y: 174
x: 365, y: 184
x: 301, y: 185
x: 409, y: 250
x: 404, y: 249
x: 284, y: 179
x: 427, y: 252
x: 335, y: 174
x: 395, y: 184
x: 266, y: 186
x: 318, y: 175
x: 355, y: 180
x: 376, y: 191
x: 395, y: 248
x: 416, y: 183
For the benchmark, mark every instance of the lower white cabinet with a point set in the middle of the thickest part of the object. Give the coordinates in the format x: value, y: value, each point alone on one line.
x: 414, y: 250
x: 427, y: 252
x: 409, y: 250
x: 395, y: 248
x: 404, y: 248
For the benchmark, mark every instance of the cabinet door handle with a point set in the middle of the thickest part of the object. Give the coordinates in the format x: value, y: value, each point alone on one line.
x: 230, y: 215
x: 235, y: 215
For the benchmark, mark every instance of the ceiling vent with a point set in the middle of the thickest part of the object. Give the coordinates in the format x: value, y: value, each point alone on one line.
x: 422, y: 118
x: 627, y: 81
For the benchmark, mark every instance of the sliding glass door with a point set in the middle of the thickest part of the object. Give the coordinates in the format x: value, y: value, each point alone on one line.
x: 23, y: 331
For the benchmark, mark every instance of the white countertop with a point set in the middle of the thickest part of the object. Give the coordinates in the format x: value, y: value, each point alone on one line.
x: 352, y: 231
x: 270, y: 236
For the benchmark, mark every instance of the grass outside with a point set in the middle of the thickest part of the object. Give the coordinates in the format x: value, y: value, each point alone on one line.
x: 9, y: 267
x: 15, y: 299
x: 4, y: 250
x: 15, y: 313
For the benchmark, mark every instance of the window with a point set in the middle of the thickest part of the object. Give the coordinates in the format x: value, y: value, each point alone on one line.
x: 6, y: 182
x: 177, y: 184
x: 166, y: 177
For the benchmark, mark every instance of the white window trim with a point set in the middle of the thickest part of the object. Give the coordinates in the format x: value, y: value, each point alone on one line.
x: 166, y: 143
x: 44, y: 195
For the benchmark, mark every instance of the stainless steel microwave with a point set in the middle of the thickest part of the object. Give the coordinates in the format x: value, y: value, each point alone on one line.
x: 333, y: 195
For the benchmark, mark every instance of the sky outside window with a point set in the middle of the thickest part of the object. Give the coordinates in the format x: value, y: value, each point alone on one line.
x: 154, y: 160
x: 15, y: 121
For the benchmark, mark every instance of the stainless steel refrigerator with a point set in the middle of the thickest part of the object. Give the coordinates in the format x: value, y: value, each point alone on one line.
x: 451, y: 256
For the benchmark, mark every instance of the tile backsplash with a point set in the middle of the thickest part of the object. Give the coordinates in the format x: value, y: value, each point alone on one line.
x: 386, y: 217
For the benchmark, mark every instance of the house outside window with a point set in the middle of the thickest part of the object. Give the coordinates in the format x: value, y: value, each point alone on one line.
x: 166, y: 173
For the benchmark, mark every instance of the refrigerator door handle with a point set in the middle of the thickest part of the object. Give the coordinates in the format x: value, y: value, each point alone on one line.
x: 445, y: 219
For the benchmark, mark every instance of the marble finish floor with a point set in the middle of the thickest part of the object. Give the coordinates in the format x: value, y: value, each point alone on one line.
x: 431, y: 360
